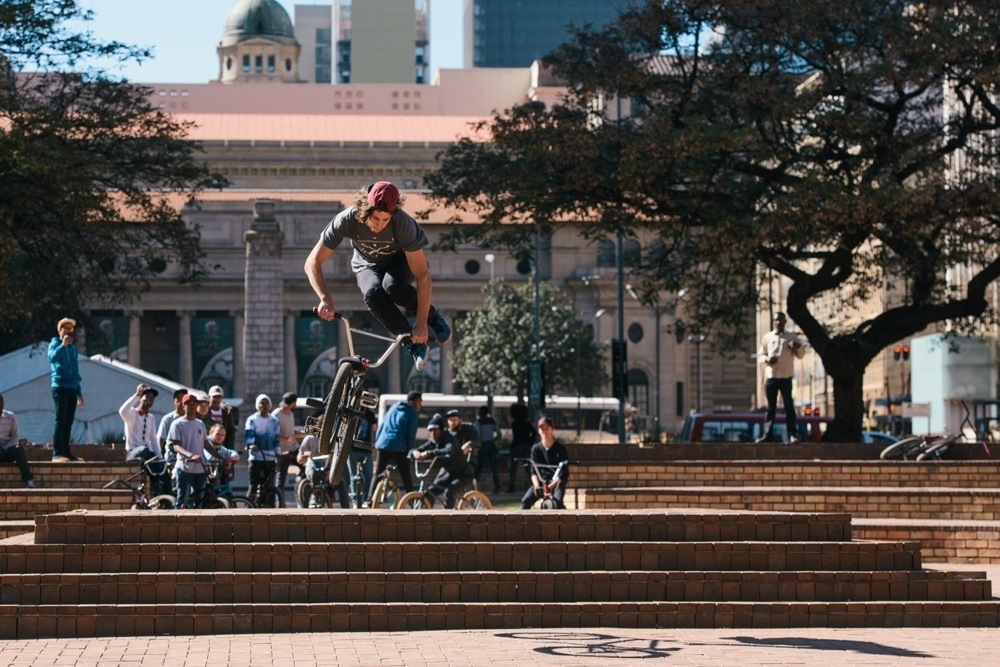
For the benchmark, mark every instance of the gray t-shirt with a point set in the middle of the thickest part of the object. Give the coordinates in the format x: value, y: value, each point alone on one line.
x: 402, y: 234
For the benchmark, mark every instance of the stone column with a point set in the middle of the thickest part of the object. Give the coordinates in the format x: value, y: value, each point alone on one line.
x: 291, y: 362
x: 239, y: 383
x: 187, y: 354
x: 134, y: 339
x: 263, y: 357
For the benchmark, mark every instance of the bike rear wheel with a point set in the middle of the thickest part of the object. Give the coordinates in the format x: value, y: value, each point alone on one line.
x: 386, y: 496
x: 901, y: 449
x: 414, y: 500
x: 474, y: 501
x: 336, y: 434
x: 318, y: 498
x: 303, y: 489
x: 162, y: 502
x: 271, y: 498
x: 241, y: 503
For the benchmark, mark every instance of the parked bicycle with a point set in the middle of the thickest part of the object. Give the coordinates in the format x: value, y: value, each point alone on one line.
x: 149, y: 469
x: 426, y: 496
x: 314, y: 490
x: 920, y: 447
x: 547, y: 473
x: 224, y: 489
x: 386, y: 494
x: 344, y: 407
x: 266, y: 494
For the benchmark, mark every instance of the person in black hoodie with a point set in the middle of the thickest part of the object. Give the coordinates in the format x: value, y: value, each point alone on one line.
x: 456, y: 472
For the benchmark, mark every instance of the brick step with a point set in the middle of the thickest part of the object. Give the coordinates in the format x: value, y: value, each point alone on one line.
x: 20, y: 504
x: 438, y: 525
x: 77, y: 475
x: 952, y: 504
x: 12, y: 528
x: 619, y: 473
x: 385, y: 557
x: 940, y: 541
x: 589, y: 586
x: 29, y: 622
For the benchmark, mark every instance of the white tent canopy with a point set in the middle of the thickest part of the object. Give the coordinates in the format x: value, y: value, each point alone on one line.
x: 26, y: 385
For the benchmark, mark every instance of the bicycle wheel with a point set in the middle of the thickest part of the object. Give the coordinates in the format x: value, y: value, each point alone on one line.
x: 336, y: 434
x: 378, y: 495
x: 240, y: 503
x: 938, y: 448
x: 318, y: 498
x: 163, y: 502
x: 216, y: 504
x: 900, y: 449
x: 303, y: 489
x: 271, y: 498
x: 474, y: 501
x: 414, y: 500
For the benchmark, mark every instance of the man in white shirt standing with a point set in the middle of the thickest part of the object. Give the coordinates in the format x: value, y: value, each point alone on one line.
x: 140, y: 425
x: 286, y: 436
x: 778, y: 351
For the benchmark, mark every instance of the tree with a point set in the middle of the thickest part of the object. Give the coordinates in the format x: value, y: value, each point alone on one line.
x: 485, y: 361
x: 847, y: 147
x: 92, y: 175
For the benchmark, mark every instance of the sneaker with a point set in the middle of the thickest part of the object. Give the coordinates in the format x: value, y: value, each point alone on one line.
x: 419, y: 353
x: 60, y: 459
x: 440, y: 327
x: 794, y: 440
x: 30, y: 484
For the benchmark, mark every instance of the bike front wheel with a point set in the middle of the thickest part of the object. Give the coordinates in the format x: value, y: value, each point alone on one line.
x: 336, y: 433
x: 303, y: 489
x: 474, y: 501
x: 271, y: 499
x: 414, y: 500
x: 901, y: 449
x: 318, y: 498
x: 241, y: 503
x: 162, y: 502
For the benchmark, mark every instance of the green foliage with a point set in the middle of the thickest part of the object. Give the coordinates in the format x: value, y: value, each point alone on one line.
x: 802, y: 140
x: 92, y: 175
x: 498, y: 341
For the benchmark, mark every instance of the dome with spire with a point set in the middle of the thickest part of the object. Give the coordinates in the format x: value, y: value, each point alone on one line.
x: 249, y: 18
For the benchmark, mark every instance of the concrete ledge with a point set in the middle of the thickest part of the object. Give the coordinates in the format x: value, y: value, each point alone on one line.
x: 75, y: 475
x: 13, y: 528
x: 19, y: 504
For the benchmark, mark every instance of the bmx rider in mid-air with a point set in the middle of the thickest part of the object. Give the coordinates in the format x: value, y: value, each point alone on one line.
x: 388, y: 257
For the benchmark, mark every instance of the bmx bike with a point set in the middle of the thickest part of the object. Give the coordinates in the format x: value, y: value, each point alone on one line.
x: 547, y: 473
x: 425, y: 498
x: 344, y: 407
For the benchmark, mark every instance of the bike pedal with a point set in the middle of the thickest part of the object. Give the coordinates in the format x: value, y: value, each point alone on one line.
x: 361, y: 446
x: 368, y: 399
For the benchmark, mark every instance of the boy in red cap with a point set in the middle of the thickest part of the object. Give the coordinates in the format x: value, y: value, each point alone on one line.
x: 388, y: 257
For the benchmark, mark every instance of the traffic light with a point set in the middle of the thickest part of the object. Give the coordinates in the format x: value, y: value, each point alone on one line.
x: 906, y: 353
x: 619, y: 369
x: 897, y: 352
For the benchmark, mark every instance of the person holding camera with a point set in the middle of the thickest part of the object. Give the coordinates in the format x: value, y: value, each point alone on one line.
x: 778, y: 351
x: 66, y: 387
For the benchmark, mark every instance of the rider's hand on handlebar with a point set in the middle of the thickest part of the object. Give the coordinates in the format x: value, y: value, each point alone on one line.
x: 325, y: 309
x: 419, y: 333
x: 539, y: 491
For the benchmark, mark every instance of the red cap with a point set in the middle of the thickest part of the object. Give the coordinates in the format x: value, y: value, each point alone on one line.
x: 189, y: 398
x: 383, y: 196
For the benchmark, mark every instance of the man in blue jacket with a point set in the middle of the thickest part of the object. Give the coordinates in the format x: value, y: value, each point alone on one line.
x: 396, y: 436
x: 66, y: 391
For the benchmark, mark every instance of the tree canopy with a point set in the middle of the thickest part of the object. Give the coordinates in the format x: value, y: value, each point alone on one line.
x: 849, y: 148
x: 92, y: 174
x: 484, y: 361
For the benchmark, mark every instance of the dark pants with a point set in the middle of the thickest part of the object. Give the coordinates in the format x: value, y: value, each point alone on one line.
x: 530, y: 498
x: 284, y: 461
x: 385, y: 289
x: 384, y: 457
x: 261, y: 473
x: 772, y: 387
x: 65, y: 400
x: 191, y: 487
x: 451, y: 484
x: 516, y: 452
x: 15, y: 454
x: 488, y: 453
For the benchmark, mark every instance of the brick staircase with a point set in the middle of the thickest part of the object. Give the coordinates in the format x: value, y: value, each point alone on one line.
x: 121, y: 573
x: 951, y: 507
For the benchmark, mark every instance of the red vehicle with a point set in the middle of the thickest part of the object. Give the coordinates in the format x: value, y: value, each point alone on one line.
x: 747, y: 427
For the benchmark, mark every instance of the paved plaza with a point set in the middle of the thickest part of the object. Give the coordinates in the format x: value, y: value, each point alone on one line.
x: 596, y: 646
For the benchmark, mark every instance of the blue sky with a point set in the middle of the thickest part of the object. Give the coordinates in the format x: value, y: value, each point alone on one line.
x: 184, y: 34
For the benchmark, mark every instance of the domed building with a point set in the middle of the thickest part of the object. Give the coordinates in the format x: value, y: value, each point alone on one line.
x: 258, y: 45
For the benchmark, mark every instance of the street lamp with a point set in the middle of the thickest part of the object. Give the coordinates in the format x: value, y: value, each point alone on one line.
x: 490, y: 259
x: 579, y: 408
x: 697, y: 340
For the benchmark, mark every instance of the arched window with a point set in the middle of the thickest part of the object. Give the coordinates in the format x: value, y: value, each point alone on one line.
x: 605, y: 253
x: 631, y: 253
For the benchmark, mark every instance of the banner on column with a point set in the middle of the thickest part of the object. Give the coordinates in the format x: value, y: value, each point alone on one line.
x: 316, y: 354
x: 110, y: 337
x: 212, y: 340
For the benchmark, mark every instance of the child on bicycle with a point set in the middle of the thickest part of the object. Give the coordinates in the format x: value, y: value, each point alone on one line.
x: 263, y: 447
x: 456, y: 472
x: 547, y: 454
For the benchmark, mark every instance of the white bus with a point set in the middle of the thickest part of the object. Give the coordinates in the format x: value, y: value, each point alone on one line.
x: 587, y: 420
